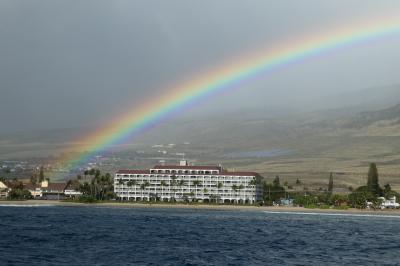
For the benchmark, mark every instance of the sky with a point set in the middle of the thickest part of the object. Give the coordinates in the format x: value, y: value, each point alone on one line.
x: 81, y: 63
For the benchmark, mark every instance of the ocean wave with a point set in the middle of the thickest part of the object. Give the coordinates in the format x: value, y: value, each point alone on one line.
x: 335, y: 214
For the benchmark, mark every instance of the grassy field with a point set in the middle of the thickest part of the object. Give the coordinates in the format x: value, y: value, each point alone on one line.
x: 318, y: 146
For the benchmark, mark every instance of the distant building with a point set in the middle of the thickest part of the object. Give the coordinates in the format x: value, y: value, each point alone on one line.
x: 388, y: 203
x: 50, y: 190
x: 185, y: 183
x: 4, y: 190
x: 72, y: 191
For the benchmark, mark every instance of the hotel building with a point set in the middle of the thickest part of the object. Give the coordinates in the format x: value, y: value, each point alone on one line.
x: 184, y: 182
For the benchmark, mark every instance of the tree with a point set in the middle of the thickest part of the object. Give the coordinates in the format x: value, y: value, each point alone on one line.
x: 33, y: 179
x: 373, y: 180
x: 173, y: 184
x: 240, y: 188
x: 143, y: 186
x: 19, y: 194
x: 181, y: 183
x: 330, y: 184
x: 273, y: 192
x: 386, y: 188
x: 86, y: 173
x: 276, y: 182
x: 163, y: 184
x: 101, y: 187
x: 361, y: 196
x: 41, y: 174
x: 196, y: 183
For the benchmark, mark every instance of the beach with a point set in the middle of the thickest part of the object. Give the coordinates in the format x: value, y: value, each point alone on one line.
x: 282, y: 209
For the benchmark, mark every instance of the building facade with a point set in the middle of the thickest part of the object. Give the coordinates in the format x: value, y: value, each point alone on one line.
x: 188, y: 183
x: 4, y: 190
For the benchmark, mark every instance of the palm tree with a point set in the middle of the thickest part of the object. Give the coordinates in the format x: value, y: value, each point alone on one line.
x: 163, y: 184
x: 235, y: 188
x: 145, y: 185
x: 253, y: 182
x: 196, y: 183
x: 205, y: 191
x: 173, y: 184
x: 181, y: 183
x: 241, y: 187
x: 142, y: 188
x: 86, y: 173
x: 131, y: 183
x: 219, y: 186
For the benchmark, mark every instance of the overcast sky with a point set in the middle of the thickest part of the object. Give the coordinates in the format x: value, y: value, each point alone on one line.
x: 73, y: 63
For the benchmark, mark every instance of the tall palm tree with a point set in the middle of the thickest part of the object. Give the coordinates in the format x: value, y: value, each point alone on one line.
x: 163, y: 184
x: 131, y: 183
x: 235, y: 188
x: 173, y: 184
x: 145, y: 185
x: 240, y: 187
x: 181, y: 183
x: 219, y: 186
x: 142, y: 188
x: 196, y: 183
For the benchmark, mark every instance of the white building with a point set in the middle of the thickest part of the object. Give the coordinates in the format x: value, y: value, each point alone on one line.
x: 4, y: 190
x: 186, y: 183
x: 388, y: 203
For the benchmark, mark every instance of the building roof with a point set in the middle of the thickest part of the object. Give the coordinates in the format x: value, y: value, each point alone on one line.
x: 3, y: 185
x: 189, y: 167
x: 55, y: 187
x: 133, y: 172
x: 221, y: 173
x: 240, y: 173
x: 31, y: 186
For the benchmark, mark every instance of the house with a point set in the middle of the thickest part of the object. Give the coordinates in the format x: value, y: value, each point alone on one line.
x: 53, y: 191
x: 47, y: 190
x: 4, y: 190
x: 34, y: 189
x: 286, y: 202
x: 388, y: 203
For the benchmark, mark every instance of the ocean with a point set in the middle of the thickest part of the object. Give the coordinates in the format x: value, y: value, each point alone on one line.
x: 56, y: 235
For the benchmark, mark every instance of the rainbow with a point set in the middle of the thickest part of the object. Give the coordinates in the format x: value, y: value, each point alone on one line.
x: 151, y: 112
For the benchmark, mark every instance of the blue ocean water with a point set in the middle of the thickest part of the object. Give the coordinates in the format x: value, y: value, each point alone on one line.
x: 143, y: 236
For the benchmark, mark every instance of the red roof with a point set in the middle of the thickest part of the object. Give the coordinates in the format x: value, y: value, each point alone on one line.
x: 221, y: 173
x: 55, y: 187
x: 31, y: 186
x: 133, y: 172
x: 189, y: 167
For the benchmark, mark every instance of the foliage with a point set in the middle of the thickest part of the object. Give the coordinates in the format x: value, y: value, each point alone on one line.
x: 330, y: 184
x: 19, y: 194
x: 360, y: 196
x: 87, y: 199
x: 305, y: 199
x: 100, y: 187
x: 373, y: 180
x: 41, y: 174
x: 273, y: 192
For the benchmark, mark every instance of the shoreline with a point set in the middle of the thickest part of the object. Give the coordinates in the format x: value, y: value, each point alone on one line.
x: 272, y: 209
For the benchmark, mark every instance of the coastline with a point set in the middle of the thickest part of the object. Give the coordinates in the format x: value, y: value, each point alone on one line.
x: 272, y: 209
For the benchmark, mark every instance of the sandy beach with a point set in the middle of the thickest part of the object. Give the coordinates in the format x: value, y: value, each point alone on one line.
x: 282, y: 209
